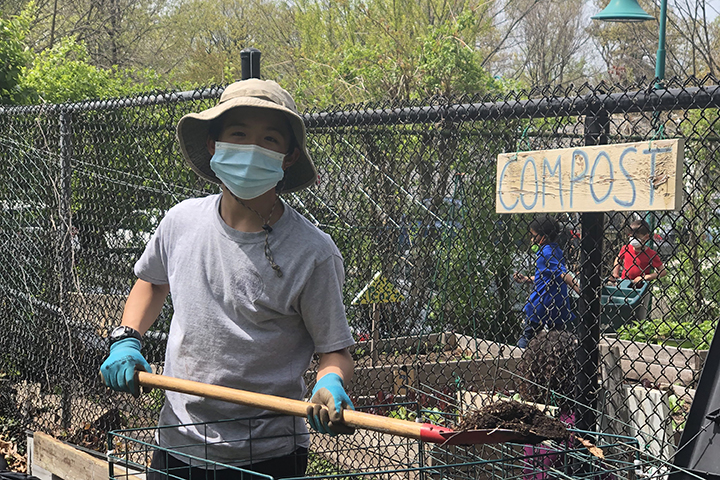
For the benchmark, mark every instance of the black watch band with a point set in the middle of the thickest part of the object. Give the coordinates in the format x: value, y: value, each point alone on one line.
x: 123, y: 332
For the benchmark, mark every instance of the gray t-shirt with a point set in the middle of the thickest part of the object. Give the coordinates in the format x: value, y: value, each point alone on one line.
x: 239, y: 325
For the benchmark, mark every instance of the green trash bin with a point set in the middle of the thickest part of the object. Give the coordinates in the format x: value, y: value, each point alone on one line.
x: 618, y: 304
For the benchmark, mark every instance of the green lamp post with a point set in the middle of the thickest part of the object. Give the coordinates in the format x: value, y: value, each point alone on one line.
x: 631, y: 11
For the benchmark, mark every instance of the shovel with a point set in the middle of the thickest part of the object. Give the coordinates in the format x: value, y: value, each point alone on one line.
x: 426, y: 432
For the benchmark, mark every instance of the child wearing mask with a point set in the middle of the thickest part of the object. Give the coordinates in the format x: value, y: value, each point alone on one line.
x: 256, y: 290
x: 638, y: 263
x: 548, y: 304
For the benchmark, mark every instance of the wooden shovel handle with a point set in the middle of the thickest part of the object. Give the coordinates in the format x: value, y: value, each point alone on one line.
x: 282, y: 405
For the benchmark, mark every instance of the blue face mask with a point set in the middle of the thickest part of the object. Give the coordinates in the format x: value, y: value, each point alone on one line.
x: 247, y: 171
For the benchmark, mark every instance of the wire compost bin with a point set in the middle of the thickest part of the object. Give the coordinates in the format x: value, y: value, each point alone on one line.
x: 379, y: 456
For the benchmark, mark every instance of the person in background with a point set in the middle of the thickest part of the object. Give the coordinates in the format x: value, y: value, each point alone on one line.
x: 638, y: 264
x: 256, y: 291
x: 548, y: 304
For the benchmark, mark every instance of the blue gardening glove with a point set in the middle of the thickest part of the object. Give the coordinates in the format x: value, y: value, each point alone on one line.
x: 118, y: 369
x: 324, y: 414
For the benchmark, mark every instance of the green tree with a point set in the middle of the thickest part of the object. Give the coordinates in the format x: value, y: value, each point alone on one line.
x: 349, y: 52
x: 123, y: 33
x: 550, y: 37
x: 64, y: 73
x: 13, y: 55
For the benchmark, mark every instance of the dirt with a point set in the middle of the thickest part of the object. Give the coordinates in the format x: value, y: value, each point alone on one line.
x: 525, y: 419
x: 93, y: 435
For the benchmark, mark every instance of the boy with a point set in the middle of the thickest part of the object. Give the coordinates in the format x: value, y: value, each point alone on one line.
x: 256, y: 289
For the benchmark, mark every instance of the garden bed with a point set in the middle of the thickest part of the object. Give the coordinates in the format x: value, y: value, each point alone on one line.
x: 409, y: 363
x: 658, y: 364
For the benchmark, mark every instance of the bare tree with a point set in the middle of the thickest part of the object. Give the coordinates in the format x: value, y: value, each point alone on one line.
x: 116, y: 32
x: 699, y: 37
x: 692, y: 41
x: 549, y: 39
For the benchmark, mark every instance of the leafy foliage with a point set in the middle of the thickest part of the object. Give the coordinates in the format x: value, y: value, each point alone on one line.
x: 13, y: 55
x: 355, y: 52
x: 64, y: 73
x: 670, y: 332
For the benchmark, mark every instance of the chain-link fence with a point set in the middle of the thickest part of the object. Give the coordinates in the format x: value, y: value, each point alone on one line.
x: 408, y: 194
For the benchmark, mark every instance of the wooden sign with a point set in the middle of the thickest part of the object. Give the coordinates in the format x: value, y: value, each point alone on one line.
x: 379, y: 290
x: 629, y: 176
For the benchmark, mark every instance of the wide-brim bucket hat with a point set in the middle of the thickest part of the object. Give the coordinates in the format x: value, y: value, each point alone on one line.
x: 193, y: 129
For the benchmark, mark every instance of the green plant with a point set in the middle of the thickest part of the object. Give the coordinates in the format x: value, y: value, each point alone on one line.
x: 433, y: 415
x: 320, y: 466
x: 677, y: 408
x: 156, y: 400
x: 403, y: 413
x: 670, y: 332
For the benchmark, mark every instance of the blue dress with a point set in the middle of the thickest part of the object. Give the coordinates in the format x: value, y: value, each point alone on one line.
x: 549, y: 304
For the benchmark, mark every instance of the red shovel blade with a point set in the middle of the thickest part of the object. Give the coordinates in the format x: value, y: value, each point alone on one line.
x: 435, y: 434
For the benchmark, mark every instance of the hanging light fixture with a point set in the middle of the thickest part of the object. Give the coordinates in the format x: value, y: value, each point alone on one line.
x: 623, y: 11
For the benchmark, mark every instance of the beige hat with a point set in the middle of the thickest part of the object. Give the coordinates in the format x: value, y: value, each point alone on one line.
x: 193, y: 129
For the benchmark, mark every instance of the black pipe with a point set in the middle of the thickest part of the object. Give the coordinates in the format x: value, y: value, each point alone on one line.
x: 639, y: 101
x: 591, y: 250
x: 250, y: 63
x: 591, y: 104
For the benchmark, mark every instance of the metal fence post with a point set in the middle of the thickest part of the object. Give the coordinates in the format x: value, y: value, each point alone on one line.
x: 250, y: 63
x: 65, y: 236
x: 596, y: 130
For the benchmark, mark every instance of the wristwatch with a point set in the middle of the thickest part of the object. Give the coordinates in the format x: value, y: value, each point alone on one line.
x: 122, y: 332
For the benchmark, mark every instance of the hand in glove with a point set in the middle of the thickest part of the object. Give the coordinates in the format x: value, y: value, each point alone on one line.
x: 328, y: 400
x: 118, y: 369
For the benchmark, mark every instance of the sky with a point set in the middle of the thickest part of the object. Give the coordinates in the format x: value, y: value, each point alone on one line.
x: 713, y: 8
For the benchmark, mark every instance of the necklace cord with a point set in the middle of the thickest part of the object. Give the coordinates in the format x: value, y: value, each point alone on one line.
x: 267, y: 228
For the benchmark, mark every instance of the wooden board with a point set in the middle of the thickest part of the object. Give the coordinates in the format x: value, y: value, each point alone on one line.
x: 629, y: 176
x: 69, y: 463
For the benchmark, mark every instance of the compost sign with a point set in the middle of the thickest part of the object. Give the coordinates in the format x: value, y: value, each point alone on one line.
x: 629, y: 176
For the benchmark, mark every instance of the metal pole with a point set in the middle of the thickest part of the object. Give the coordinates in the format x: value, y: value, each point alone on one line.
x: 596, y: 128
x: 65, y: 250
x: 650, y: 217
x: 660, y: 57
x: 250, y: 63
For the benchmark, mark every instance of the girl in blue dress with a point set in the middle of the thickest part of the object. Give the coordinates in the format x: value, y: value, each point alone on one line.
x: 549, y: 303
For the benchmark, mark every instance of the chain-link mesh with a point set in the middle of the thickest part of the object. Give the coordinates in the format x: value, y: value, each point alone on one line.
x: 407, y: 191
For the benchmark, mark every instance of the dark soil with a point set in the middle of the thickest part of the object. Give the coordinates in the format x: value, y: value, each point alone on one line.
x: 525, y: 419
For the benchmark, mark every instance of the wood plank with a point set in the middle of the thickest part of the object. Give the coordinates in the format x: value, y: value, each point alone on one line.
x: 68, y: 463
x: 478, y: 400
x: 630, y: 176
x: 614, y: 412
x: 637, y: 370
x: 446, y: 341
x: 660, y: 354
x: 650, y: 422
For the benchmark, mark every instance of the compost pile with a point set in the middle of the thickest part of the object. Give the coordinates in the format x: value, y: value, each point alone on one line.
x: 520, y: 417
